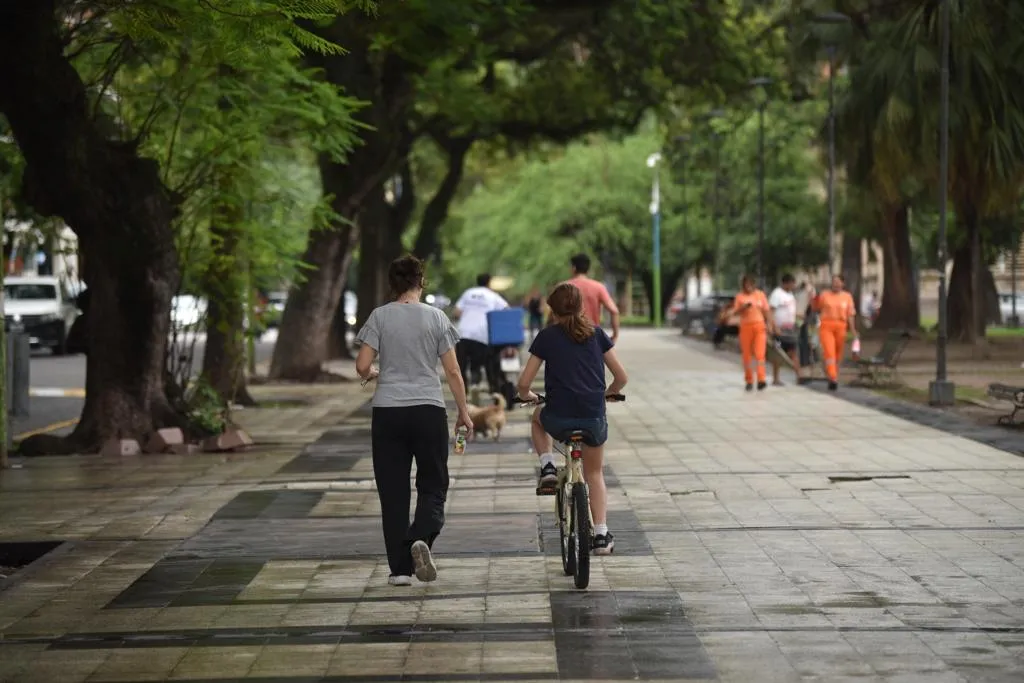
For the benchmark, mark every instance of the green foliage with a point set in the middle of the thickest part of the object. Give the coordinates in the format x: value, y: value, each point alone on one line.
x: 206, y: 410
x: 795, y: 216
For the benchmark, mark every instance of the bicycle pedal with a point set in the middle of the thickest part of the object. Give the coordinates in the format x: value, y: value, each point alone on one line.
x: 541, y: 491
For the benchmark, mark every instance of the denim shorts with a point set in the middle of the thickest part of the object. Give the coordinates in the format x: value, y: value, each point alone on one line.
x: 595, y: 429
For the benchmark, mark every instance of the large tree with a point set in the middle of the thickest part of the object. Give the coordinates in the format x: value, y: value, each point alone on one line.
x: 514, y: 73
x: 81, y: 167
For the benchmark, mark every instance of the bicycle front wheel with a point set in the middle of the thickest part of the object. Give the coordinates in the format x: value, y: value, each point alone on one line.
x: 580, y: 525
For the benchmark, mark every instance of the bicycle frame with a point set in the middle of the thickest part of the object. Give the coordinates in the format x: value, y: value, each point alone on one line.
x: 572, y: 472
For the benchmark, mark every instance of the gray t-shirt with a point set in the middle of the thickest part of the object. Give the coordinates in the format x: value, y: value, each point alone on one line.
x: 409, y: 340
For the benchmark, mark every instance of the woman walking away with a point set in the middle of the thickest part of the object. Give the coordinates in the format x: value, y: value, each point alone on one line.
x: 755, y: 321
x: 837, y: 314
x: 409, y: 419
x: 535, y: 309
x: 575, y: 353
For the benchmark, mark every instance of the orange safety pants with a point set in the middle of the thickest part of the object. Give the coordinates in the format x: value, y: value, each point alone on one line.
x: 832, y: 335
x: 753, y: 346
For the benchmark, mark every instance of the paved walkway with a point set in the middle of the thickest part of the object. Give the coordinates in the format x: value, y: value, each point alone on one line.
x: 783, y: 536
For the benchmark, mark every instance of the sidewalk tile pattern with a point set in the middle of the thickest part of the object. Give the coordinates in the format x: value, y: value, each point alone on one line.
x: 761, y: 538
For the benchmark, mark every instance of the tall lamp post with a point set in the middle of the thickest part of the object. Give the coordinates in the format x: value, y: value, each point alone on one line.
x: 759, y: 83
x: 942, y: 392
x: 652, y: 163
x: 831, y: 18
x: 707, y: 118
x: 682, y: 140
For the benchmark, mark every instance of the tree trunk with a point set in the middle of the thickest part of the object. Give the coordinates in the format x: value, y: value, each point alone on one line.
x: 337, y: 342
x: 436, y: 212
x: 959, y: 304
x: 225, y: 284
x: 121, y: 212
x: 669, y: 281
x: 380, y: 243
x: 851, y: 267
x: 900, y: 302
x: 384, y: 80
x: 966, y: 306
x: 301, y: 346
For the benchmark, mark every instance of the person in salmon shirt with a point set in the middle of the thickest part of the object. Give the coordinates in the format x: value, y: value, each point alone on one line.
x: 595, y: 294
x: 837, y: 314
x: 755, y: 322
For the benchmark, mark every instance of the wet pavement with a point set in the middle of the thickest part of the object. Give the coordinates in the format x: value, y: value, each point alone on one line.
x: 784, y: 536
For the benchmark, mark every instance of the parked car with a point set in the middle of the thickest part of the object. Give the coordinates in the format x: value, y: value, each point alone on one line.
x: 700, y: 315
x: 43, y: 306
x: 273, y: 309
x: 188, y: 313
x: 1006, y: 309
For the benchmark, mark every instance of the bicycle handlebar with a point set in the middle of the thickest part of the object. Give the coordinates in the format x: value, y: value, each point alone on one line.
x: 610, y: 398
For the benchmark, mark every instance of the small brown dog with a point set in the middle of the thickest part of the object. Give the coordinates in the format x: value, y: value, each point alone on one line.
x: 489, y: 420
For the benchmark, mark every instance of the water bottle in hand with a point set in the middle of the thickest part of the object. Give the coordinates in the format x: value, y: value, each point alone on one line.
x: 460, y: 440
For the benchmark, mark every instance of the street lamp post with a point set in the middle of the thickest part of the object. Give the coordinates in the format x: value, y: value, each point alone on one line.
x: 652, y: 163
x: 760, y: 83
x: 831, y: 161
x: 707, y: 118
x: 717, y: 283
x: 684, y: 204
x: 831, y: 18
x: 942, y: 392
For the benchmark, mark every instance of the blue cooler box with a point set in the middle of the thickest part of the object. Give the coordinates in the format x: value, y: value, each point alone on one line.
x: 505, y: 327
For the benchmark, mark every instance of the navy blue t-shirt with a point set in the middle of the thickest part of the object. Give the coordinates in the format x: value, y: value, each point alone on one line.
x: 574, y: 372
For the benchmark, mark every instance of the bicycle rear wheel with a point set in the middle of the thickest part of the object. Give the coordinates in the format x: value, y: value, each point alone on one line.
x: 580, y: 525
x: 564, y: 532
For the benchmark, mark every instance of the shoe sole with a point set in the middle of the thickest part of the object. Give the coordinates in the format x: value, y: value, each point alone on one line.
x: 547, y: 488
x: 423, y: 560
x: 604, y: 551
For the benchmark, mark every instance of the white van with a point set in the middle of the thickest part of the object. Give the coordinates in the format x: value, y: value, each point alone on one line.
x: 43, y: 306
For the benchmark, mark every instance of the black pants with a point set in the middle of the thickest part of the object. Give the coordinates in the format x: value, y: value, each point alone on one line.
x: 399, y: 436
x: 478, y: 360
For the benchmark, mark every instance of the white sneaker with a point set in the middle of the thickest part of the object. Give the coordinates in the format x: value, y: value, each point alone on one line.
x: 422, y: 559
x: 400, y: 580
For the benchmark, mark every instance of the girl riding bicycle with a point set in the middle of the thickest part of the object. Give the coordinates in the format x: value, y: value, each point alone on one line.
x: 576, y: 353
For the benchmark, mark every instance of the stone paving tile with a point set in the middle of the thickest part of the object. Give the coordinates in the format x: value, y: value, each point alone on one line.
x: 784, y: 536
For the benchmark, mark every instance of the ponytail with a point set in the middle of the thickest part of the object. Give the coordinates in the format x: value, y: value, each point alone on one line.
x: 566, y: 304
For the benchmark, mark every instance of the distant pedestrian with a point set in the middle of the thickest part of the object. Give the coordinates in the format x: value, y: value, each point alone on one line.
x: 838, y: 315
x: 535, y: 310
x: 409, y: 418
x: 805, y: 295
x: 755, y: 322
x: 595, y: 294
x: 476, y: 357
x: 783, y: 304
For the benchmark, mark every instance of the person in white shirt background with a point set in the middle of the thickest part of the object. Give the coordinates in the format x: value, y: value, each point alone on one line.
x: 476, y: 357
x: 783, y: 305
x: 805, y: 294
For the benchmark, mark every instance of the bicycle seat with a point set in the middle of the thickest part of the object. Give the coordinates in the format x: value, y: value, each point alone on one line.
x: 574, y: 435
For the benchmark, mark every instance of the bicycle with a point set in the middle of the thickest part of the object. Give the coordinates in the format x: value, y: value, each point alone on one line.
x: 572, y: 502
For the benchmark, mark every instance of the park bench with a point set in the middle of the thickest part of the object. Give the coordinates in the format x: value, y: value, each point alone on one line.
x: 1006, y: 392
x: 882, y: 367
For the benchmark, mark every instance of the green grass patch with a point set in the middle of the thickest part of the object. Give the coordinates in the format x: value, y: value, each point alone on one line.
x: 915, y: 395
x: 928, y: 327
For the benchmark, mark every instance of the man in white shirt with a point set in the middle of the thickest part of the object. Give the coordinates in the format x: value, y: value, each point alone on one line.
x: 475, y: 356
x: 783, y: 305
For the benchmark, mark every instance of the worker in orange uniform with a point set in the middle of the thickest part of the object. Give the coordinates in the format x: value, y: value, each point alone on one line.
x: 837, y: 314
x: 755, y: 322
